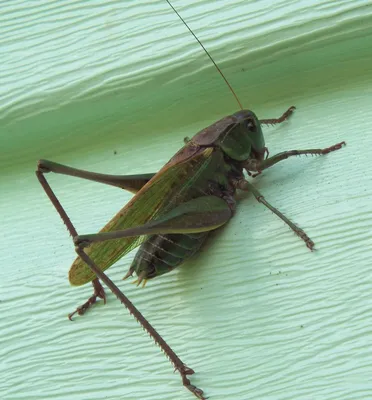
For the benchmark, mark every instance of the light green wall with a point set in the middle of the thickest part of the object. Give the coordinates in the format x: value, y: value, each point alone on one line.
x: 256, y: 314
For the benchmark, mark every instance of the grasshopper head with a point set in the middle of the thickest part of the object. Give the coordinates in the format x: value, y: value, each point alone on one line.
x: 243, y: 139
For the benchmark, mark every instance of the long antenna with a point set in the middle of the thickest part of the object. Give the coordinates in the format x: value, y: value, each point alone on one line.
x: 206, y: 51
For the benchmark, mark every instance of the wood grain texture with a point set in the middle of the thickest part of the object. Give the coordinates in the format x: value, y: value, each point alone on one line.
x: 256, y: 314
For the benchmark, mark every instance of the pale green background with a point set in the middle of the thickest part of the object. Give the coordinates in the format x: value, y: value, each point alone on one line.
x: 256, y: 314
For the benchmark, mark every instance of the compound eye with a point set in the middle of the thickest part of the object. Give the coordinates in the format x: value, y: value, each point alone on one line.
x: 250, y: 125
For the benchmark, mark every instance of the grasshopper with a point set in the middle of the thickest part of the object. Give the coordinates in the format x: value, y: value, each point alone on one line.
x: 173, y: 211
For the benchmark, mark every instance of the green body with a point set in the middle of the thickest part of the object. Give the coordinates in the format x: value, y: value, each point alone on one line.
x: 204, y: 170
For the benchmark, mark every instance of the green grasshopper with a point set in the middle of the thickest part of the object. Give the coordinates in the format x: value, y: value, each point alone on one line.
x: 174, y: 210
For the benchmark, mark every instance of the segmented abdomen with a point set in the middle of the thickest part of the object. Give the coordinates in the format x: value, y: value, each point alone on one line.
x: 162, y: 253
